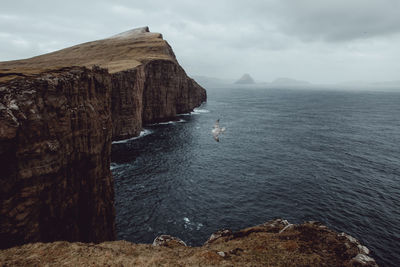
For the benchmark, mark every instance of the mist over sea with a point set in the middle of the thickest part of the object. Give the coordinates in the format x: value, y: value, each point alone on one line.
x: 326, y: 155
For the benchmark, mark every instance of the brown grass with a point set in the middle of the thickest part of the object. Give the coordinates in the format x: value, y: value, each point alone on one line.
x: 256, y: 248
x: 115, y: 54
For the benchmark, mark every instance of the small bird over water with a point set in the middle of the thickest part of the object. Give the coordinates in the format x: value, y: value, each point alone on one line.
x: 216, y: 131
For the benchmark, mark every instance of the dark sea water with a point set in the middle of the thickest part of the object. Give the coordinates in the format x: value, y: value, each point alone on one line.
x: 331, y: 156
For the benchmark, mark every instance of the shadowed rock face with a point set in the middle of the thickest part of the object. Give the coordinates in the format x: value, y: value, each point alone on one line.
x: 58, y: 116
x: 127, y: 103
x: 168, y: 91
x: 55, y: 142
x: 155, y: 91
x: 148, y: 84
x: 274, y: 243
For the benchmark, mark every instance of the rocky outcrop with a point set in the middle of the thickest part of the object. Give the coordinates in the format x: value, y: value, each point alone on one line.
x: 55, y: 142
x: 168, y: 241
x: 275, y: 243
x: 59, y: 113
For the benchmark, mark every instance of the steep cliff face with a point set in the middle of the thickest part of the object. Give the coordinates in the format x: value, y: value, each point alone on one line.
x: 127, y: 103
x: 57, y: 121
x: 168, y: 91
x: 148, y: 84
x: 274, y: 243
x: 155, y: 91
x: 55, y: 142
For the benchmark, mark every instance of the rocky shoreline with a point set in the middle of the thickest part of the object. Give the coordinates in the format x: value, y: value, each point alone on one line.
x: 274, y: 243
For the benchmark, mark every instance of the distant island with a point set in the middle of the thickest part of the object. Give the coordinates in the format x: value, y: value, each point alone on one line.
x: 291, y: 83
x: 245, y: 79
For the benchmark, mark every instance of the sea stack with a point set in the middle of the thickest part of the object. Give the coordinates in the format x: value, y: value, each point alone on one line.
x: 245, y: 79
x: 59, y: 113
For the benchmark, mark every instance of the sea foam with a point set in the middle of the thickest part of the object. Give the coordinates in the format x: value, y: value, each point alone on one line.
x: 199, y: 111
x: 142, y: 134
x: 167, y: 122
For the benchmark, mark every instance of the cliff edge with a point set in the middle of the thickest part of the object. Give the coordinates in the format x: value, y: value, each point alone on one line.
x: 148, y: 84
x: 59, y: 113
x: 274, y: 243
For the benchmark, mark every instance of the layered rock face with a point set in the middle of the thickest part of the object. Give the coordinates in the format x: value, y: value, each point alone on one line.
x: 155, y: 91
x: 274, y: 243
x: 55, y: 142
x: 148, y: 84
x: 168, y: 91
x: 58, y: 117
x: 127, y: 103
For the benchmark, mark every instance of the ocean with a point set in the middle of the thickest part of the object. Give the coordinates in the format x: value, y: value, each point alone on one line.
x: 327, y: 155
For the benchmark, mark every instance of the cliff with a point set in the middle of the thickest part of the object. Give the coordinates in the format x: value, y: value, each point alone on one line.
x: 155, y: 91
x: 55, y: 143
x: 274, y: 243
x: 148, y: 84
x: 59, y: 113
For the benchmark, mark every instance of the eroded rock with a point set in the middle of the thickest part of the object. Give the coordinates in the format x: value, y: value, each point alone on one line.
x: 168, y: 241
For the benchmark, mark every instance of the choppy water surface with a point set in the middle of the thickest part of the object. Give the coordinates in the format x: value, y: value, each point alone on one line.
x: 330, y: 156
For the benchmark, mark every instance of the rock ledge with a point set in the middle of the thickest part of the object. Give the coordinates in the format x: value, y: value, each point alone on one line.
x: 308, y: 244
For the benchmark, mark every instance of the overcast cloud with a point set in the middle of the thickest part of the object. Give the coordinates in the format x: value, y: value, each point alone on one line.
x: 314, y: 40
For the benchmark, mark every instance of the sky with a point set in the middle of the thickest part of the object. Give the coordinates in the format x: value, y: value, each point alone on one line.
x: 322, y: 41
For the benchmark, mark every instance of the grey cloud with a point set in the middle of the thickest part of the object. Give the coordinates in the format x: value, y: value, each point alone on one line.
x: 305, y: 39
x: 339, y: 20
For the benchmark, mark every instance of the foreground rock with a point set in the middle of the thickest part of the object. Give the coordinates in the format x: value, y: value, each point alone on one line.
x: 59, y: 113
x: 275, y: 243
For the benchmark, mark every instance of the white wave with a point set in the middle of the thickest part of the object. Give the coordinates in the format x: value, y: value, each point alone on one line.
x: 142, y: 133
x: 199, y: 225
x: 167, y: 122
x: 199, y: 111
x: 113, y: 166
x: 191, y: 225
